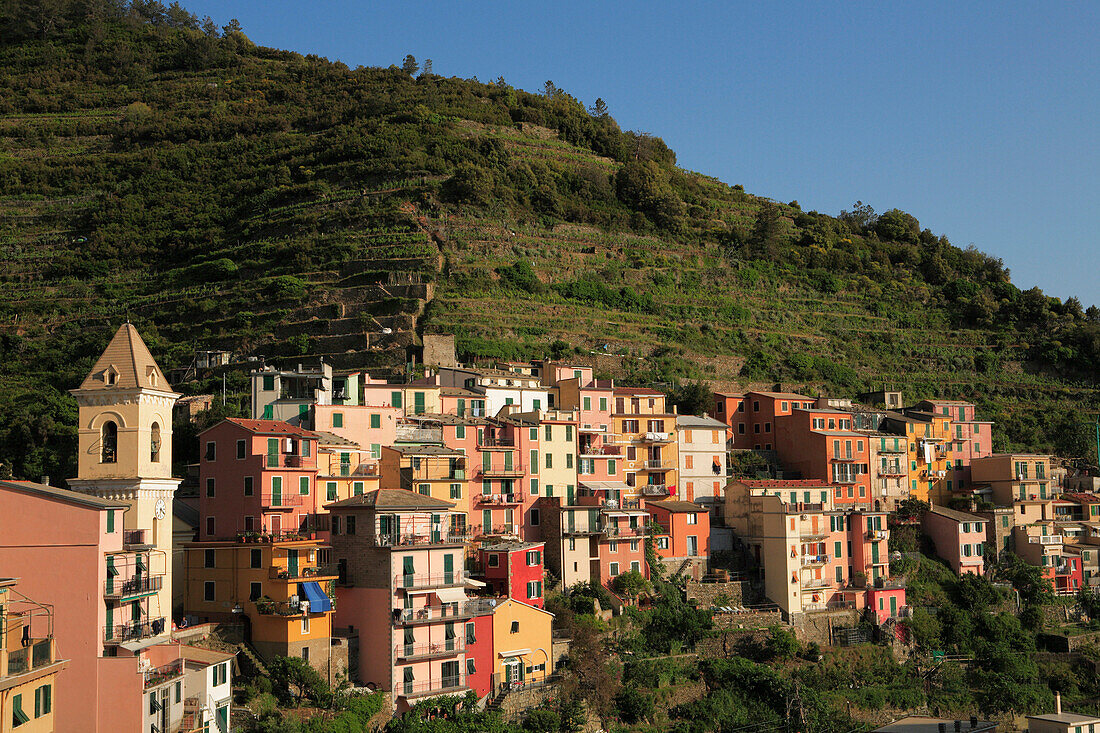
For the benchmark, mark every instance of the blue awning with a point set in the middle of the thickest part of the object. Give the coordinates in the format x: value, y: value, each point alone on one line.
x: 318, y: 599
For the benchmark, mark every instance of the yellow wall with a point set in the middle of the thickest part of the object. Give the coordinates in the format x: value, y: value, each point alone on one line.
x: 938, y: 428
x: 41, y: 724
x: 534, y: 634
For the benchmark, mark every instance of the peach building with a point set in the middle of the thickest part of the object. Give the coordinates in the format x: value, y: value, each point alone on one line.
x: 972, y: 438
x: 401, y: 589
x: 683, y: 543
x: 930, y: 456
x: 369, y: 427
x: 959, y: 538
x: 819, y: 443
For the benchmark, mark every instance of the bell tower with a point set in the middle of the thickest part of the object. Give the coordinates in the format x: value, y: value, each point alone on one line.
x: 125, y: 450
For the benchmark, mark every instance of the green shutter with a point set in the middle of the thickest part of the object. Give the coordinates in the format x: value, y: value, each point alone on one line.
x: 395, y: 399
x: 375, y: 421
x: 18, y: 716
x: 303, y: 485
x: 110, y: 521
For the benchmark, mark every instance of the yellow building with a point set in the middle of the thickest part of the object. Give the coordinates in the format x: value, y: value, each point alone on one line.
x: 929, y: 457
x: 28, y: 662
x: 523, y: 642
x: 431, y: 470
x: 647, y: 433
x: 284, y: 590
x: 1015, y: 478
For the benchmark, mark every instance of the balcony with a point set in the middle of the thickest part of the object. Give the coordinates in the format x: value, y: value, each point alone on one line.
x: 845, y: 479
x: 422, y: 652
x: 876, y: 534
x: 491, y: 441
x: 289, y: 460
x: 444, y: 686
x: 429, y: 581
x: 892, y: 471
x: 815, y: 584
x: 504, y: 471
x: 574, y: 530
x: 448, y: 612
x: 39, y: 653
x: 810, y: 534
x: 498, y: 499
x: 136, y: 631
x: 136, y: 539
x: 654, y: 437
x: 437, y: 537
x: 303, y: 573
x: 659, y: 465
x: 811, y: 560
x: 844, y: 458
x: 613, y: 530
x: 1046, y: 539
x: 501, y: 530
x: 286, y: 499
x: 117, y: 588
x: 367, y: 469
x: 165, y: 673
x: 269, y: 607
x: 601, y: 451
x: 654, y: 490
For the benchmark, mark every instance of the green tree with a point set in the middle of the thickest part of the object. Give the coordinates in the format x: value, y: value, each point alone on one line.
x: 409, y: 65
x: 294, y: 681
x: 631, y: 584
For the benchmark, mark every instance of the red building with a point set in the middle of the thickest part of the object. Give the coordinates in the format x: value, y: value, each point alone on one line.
x: 515, y: 570
x: 684, y: 542
x: 753, y: 417
x: 256, y: 476
x: 819, y: 443
x: 479, y: 653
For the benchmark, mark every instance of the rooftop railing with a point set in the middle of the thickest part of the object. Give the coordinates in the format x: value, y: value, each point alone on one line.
x: 135, y: 631
x: 162, y: 674
x: 429, y: 580
x: 316, y: 571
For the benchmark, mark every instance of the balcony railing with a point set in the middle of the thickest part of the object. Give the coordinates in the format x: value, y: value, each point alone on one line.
x: 812, y: 533
x: 498, y: 499
x: 287, y: 499
x: 119, y: 588
x: 38, y: 653
x: 815, y: 584
x: 288, y: 460
x: 571, y: 529
x: 420, y: 652
x: 436, y: 537
x: 446, y: 612
x: 1047, y: 539
x: 654, y: 490
x: 659, y: 465
x: 268, y: 607
x: 513, y: 470
x: 443, y: 686
x: 318, y: 571
x: 136, y: 631
x: 410, y: 434
x: 815, y: 559
x: 497, y: 442
x: 160, y: 675
x: 502, y: 529
x: 613, y: 530
x: 136, y: 538
x: 346, y: 470
x: 596, y: 451
x: 654, y: 437
x: 428, y: 581
x: 876, y: 534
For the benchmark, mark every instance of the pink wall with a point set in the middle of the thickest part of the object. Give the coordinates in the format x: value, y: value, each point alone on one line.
x: 357, y: 421
x: 368, y: 610
x: 57, y: 550
x: 948, y: 537
x: 120, y: 697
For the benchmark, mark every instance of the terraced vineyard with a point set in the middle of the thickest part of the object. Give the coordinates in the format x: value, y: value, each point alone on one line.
x: 222, y: 195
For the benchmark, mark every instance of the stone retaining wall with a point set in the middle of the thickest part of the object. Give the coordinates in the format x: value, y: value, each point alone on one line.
x: 708, y: 594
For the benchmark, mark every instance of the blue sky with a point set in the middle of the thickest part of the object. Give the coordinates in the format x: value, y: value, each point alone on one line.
x: 980, y: 119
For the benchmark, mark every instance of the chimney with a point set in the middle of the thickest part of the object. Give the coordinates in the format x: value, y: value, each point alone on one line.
x: 1058, y: 703
x: 973, y: 721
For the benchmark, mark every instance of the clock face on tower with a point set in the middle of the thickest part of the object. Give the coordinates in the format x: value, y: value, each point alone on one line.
x: 160, y: 509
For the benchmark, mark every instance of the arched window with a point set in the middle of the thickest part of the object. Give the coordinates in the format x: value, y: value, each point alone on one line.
x: 109, y: 443
x: 154, y: 443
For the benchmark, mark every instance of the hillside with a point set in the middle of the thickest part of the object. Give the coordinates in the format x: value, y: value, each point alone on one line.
x: 223, y: 195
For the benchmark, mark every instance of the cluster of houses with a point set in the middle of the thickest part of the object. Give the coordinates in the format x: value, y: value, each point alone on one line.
x: 404, y: 535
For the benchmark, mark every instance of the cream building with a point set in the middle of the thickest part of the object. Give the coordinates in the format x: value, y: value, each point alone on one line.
x: 125, y: 448
x: 702, y: 444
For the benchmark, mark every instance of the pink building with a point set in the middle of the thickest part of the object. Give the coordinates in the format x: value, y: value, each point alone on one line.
x: 256, y: 476
x: 502, y: 468
x: 370, y: 427
x: 71, y: 552
x: 513, y: 569
x: 959, y: 538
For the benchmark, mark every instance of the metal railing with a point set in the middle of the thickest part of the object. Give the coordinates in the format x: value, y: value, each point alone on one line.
x: 119, y: 633
x: 366, y: 469
x: 601, y: 450
x: 119, y: 588
x: 659, y: 465
x: 162, y: 674
x: 496, y: 442
x: 446, y: 612
x: 268, y: 607
x: 434, y: 537
x: 513, y: 470
x: 317, y: 571
x: 447, y: 647
x: 135, y: 537
x: 876, y: 534
x: 286, y: 499
x: 432, y: 580
x: 37, y: 654
x: 812, y: 584
x: 815, y: 559
x: 614, y: 530
x: 498, y: 529
x: 654, y: 490
x: 288, y: 460
x: 440, y: 686
x: 655, y: 437
x: 513, y: 498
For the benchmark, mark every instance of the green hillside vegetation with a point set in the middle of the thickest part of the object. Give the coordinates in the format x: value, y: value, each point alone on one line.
x: 224, y: 195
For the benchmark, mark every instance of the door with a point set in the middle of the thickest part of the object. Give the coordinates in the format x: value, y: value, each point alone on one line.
x: 569, y: 494
x: 693, y: 545
x: 508, y: 460
x: 276, y: 490
x: 292, y: 562
x: 451, y: 675
x: 461, y: 407
x: 449, y: 636
x: 874, y: 552
x: 418, y: 403
x: 513, y: 672
x: 165, y: 710
x: 448, y: 569
x: 410, y: 641
x: 437, y: 529
x: 110, y: 622
x: 893, y: 605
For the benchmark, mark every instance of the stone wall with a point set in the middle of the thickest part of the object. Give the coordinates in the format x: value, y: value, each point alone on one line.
x: 439, y: 350
x: 525, y: 698
x: 818, y: 626
x: 733, y: 593
x: 754, y: 620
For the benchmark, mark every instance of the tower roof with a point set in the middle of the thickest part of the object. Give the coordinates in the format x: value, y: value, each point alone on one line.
x: 126, y: 364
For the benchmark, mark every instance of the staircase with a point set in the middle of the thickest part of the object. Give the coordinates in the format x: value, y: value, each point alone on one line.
x: 253, y: 658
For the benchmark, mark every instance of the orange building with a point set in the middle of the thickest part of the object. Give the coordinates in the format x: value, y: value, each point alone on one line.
x: 647, y: 431
x: 683, y: 543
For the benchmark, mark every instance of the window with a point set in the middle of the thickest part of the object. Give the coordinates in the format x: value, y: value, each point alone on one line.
x: 208, y: 590
x: 535, y: 514
x: 211, y: 450
x: 534, y: 589
x: 43, y: 700
x: 635, y: 566
x: 515, y: 627
x: 208, y: 558
x: 375, y: 421
x: 614, y: 569
x: 534, y: 557
x: 494, y: 560
x: 662, y: 543
x: 357, y: 488
x: 456, y: 491
x: 692, y: 519
x: 330, y: 491
x: 470, y: 667
x: 18, y: 717
x: 210, y: 526
x: 110, y: 521
x: 549, y: 460
x: 179, y: 692
x: 349, y: 524
x: 338, y: 420
x: 395, y: 399
x: 255, y: 590
x: 568, y: 460
x: 303, y: 485
x: 210, y: 488
x: 154, y: 443
x: 305, y: 630
x: 108, y: 437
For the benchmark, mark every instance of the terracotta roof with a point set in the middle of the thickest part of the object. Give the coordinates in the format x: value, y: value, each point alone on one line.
x: 768, y: 483
x: 1079, y: 498
x: 268, y: 427
x: 784, y: 395
x: 73, y: 497
x: 131, y: 361
x: 637, y: 390
x: 956, y: 515
x: 392, y: 499
x: 677, y: 507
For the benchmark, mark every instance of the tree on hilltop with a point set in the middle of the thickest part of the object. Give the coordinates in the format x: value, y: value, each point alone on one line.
x: 409, y: 66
